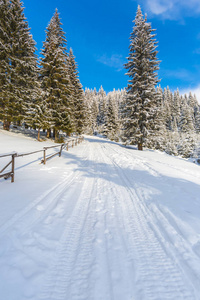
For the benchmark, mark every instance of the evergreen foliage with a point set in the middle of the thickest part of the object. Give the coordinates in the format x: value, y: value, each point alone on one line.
x: 77, y: 95
x: 52, y: 98
x: 55, y: 81
x: 112, y: 125
x: 141, y: 102
x: 18, y: 67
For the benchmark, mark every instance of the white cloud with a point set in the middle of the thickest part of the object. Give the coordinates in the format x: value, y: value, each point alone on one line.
x: 172, y: 9
x: 158, y: 7
x: 114, y: 61
x: 195, y: 91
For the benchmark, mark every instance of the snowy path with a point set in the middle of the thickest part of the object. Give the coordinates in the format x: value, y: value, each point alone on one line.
x: 111, y: 229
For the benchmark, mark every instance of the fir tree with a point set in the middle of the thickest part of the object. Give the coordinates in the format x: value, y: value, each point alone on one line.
x: 176, y: 110
x: 186, y: 120
x: 20, y: 64
x: 140, y: 110
x: 4, y: 59
x: 55, y: 80
x: 111, y: 119
x: 77, y: 95
x: 102, y: 107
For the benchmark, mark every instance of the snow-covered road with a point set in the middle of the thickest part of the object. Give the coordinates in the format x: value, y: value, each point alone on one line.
x: 110, y: 223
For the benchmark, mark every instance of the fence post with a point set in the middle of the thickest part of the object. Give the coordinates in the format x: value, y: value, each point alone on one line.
x: 60, y: 150
x: 13, y: 168
x: 44, y: 160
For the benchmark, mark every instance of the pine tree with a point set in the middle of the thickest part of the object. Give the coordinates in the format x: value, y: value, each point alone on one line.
x: 101, y: 98
x: 55, y: 80
x: 111, y: 119
x: 140, y: 110
x: 196, y: 115
x: 4, y: 59
x: 157, y: 136
x: 95, y: 111
x: 77, y: 95
x: 20, y: 64
x: 168, y: 100
x: 186, y: 120
x: 176, y: 110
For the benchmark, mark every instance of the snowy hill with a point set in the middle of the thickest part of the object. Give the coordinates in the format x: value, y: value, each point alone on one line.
x: 100, y: 222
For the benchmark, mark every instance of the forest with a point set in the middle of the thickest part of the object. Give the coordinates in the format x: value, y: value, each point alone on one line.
x: 45, y: 93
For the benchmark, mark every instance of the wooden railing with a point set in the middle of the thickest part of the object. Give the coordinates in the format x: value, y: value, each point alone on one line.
x: 12, y: 163
x: 63, y: 146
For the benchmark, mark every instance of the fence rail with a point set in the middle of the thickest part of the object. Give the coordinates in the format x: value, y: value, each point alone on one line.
x: 63, y: 146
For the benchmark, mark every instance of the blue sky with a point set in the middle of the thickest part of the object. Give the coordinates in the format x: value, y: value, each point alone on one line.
x: 98, y: 32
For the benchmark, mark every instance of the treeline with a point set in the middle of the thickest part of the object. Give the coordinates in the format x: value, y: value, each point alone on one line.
x: 178, y: 120
x: 47, y: 95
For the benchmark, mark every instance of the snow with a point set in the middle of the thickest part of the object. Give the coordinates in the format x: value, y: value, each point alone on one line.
x: 100, y: 222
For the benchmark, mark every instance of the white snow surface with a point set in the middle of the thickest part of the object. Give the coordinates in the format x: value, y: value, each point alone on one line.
x: 102, y: 222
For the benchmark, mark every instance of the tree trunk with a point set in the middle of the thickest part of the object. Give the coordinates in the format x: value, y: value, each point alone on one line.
x: 48, y: 133
x: 6, y: 125
x: 38, y: 134
x: 56, y: 135
x: 140, y: 146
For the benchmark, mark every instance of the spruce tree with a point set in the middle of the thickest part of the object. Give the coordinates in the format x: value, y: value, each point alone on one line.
x: 101, y: 96
x: 140, y: 109
x: 186, y: 119
x: 111, y: 129
x: 4, y: 59
x: 55, y: 81
x: 78, y: 105
x: 19, y: 64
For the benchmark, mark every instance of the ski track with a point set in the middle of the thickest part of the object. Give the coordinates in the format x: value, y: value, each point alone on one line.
x: 42, y: 205
x: 74, y: 259
x: 131, y: 154
x: 101, y: 239
x: 176, y: 250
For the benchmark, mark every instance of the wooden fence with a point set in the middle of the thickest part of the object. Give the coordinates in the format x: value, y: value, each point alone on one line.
x: 11, y: 173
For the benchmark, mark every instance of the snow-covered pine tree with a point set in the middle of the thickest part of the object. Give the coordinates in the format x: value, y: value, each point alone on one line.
x: 193, y: 106
x: 4, y: 60
x: 140, y: 109
x: 157, y: 137
x: 94, y: 111
x: 112, y: 125
x: 168, y: 100
x: 55, y: 80
x: 186, y: 119
x: 102, y: 101
x: 197, y: 115
x: 88, y: 111
x: 22, y: 72
x: 176, y: 111
x: 77, y: 95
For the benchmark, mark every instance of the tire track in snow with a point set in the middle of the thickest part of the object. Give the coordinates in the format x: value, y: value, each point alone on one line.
x: 90, y: 262
x: 146, y: 164
x: 70, y: 276
x: 158, y: 275
x: 166, y: 229
x: 41, y: 206
x: 114, y: 252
